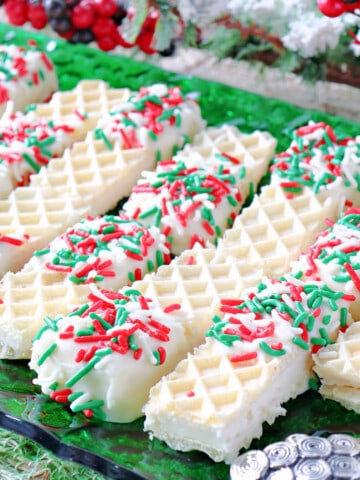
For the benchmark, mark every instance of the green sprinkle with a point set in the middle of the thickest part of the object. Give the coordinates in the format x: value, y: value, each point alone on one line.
x: 232, y: 200
x: 216, y: 319
x: 157, y: 219
x: 87, y: 405
x: 104, y: 323
x: 324, y: 334
x: 75, y: 395
x: 271, y: 351
x: 166, y: 114
x: 102, y: 352
x: 39, y: 253
x: 300, y: 343
x: 177, y: 120
x: 100, y: 135
x: 341, y: 278
x: 159, y: 258
x: 318, y: 341
x: 132, y: 291
x: 227, y: 339
x: 150, y: 266
x: 121, y: 316
x: 343, y: 316
x: 175, y: 149
x: 152, y: 135
x: 54, y: 386
x: 47, y: 353
x: 157, y: 357
x: 85, y: 332
x: 131, y: 341
x: 82, y: 372
x: 127, y: 122
x: 77, y: 280
x: 79, y: 311
x: 301, y: 318
x: 30, y: 108
x: 31, y: 162
x: 51, y: 323
x: 148, y: 213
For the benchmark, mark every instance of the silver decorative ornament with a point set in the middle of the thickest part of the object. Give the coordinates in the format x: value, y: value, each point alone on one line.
x: 249, y: 466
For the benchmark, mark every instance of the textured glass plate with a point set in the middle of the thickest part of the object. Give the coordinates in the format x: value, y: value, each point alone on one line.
x: 124, y: 451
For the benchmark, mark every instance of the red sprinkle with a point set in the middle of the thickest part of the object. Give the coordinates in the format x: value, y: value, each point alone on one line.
x: 172, y: 307
x: 10, y: 240
x: 162, y: 354
x: 353, y: 275
x: 243, y: 357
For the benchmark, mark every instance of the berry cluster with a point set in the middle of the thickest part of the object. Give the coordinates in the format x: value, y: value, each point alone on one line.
x: 84, y: 21
x: 335, y: 8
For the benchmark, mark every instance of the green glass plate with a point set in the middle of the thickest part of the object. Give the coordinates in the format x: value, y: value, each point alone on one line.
x: 124, y: 451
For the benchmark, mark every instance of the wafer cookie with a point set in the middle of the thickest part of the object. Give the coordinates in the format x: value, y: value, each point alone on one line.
x: 196, y: 195
x: 27, y: 76
x: 108, y: 251
x: 257, y: 356
x: 88, y: 101
x: 27, y: 146
x: 274, y: 239
x: 29, y: 141
x: 200, y: 277
x: 94, y: 175
x: 337, y: 366
x: 334, y: 258
x: 190, y: 281
x: 65, y: 263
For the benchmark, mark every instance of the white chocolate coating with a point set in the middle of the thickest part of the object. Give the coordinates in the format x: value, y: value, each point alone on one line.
x: 27, y: 76
x: 126, y: 366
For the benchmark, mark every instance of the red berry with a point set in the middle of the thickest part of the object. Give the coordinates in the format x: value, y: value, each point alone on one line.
x: 16, y: 11
x: 83, y: 15
x: 104, y: 26
x: 107, y: 8
x: 37, y: 16
x: 107, y: 42
x: 67, y: 35
x: 331, y: 8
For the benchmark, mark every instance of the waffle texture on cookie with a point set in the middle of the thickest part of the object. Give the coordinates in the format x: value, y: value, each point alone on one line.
x: 66, y: 269
x: 258, y: 354
x: 94, y: 174
x: 195, y: 196
x: 201, y: 277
